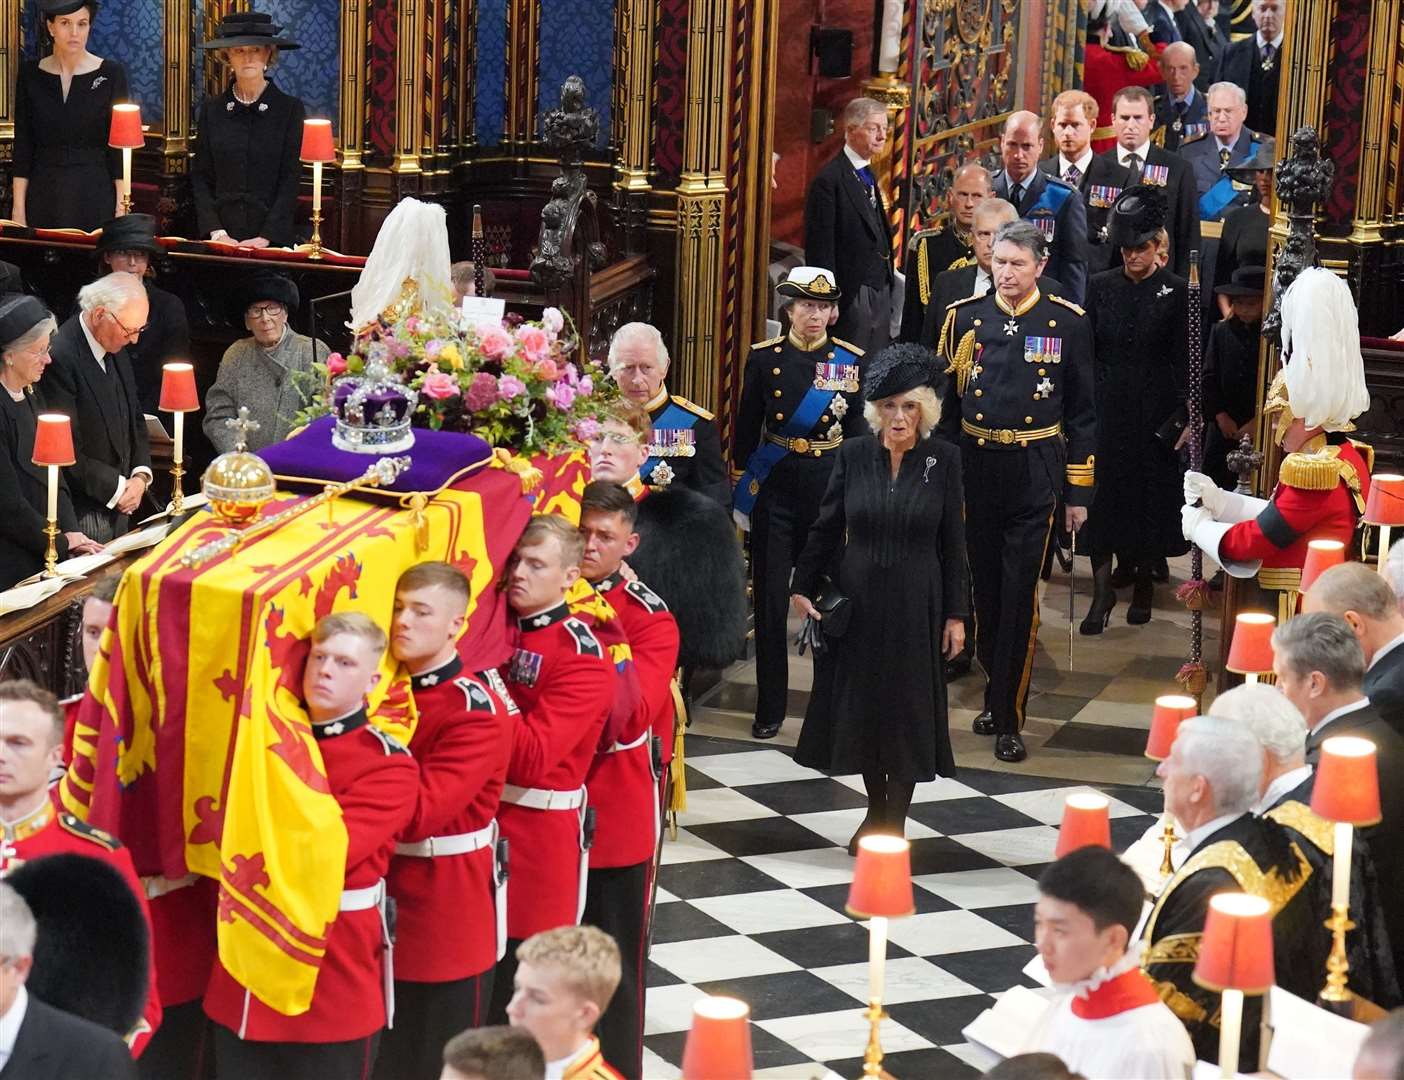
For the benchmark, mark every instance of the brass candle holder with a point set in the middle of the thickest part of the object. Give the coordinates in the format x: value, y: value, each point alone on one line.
x: 51, y: 530
x: 1336, y: 995
x: 1168, y: 837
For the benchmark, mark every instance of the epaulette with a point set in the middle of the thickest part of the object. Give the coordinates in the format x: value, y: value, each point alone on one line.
x: 475, y: 695
x: 767, y: 342
x: 1194, y: 138
x: 92, y: 833
x: 646, y: 596
x: 388, y: 742
x: 693, y: 407
x: 1320, y: 471
x: 1066, y: 303
x: 847, y: 345
x: 1366, y: 452
x: 918, y: 236
x: 586, y: 644
x: 965, y: 300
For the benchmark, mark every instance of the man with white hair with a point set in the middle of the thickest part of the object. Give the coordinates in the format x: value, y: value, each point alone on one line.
x: 1255, y: 64
x: 39, y: 1042
x: 1213, y: 777
x: 931, y: 252
x: 685, y: 447
x: 1226, y: 144
x: 848, y: 232
x: 1279, y: 727
x: 90, y: 378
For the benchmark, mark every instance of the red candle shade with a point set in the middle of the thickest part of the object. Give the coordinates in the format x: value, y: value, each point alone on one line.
x: 1385, y: 504
x: 1321, y: 556
x: 1250, y: 652
x: 882, y: 879
x: 1086, y: 823
x: 1236, y: 951
x: 719, y: 1044
x: 1170, y: 710
x: 178, y: 392
x: 1347, y: 784
x: 317, y: 141
x: 125, y: 132
x: 53, y: 441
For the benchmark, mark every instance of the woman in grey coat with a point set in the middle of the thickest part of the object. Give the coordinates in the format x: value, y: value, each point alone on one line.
x: 268, y: 372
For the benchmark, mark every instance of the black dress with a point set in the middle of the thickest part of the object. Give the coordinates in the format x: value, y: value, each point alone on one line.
x: 879, y: 698
x: 1230, y: 386
x: 61, y: 146
x: 24, y: 493
x: 166, y: 338
x: 1244, y: 242
x: 246, y: 170
x: 1139, y: 334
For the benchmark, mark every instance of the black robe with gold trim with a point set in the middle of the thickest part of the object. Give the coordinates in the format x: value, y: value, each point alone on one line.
x: 1252, y: 855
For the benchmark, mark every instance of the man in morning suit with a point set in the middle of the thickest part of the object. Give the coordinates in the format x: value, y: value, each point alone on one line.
x: 1379, y: 627
x: 38, y: 1042
x: 1180, y: 109
x: 1019, y: 404
x: 1074, y: 118
x: 1055, y: 208
x: 799, y: 401
x: 1228, y: 143
x: 847, y: 230
x: 1255, y: 63
x: 90, y: 379
x: 934, y: 251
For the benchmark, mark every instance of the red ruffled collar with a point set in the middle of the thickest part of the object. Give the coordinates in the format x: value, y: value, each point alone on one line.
x: 1129, y: 990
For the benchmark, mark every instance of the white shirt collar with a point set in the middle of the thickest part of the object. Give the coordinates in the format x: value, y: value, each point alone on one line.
x: 1195, y: 837
x: 10, y: 1025
x: 1122, y: 153
x: 1386, y: 647
x: 1336, y: 714
x: 853, y: 159
x: 1188, y: 99
x: 557, y: 1069
x: 982, y: 281
x: 1279, y: 787
x: 1231, y: 143
x: 1276, y: 42
x: 1081, y: 163
x: 99, y: 353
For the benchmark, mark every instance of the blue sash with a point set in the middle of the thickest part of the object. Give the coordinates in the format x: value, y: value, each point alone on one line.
x: 1214, y: 201
x: 673, y: 418
x: 812, y: 406
x: 1051, y: 199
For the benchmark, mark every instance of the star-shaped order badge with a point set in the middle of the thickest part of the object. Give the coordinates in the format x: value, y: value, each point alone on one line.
x: 1045, y: 388
x: 839, y: 406
x: 662, y: 474
x: 1011, y: 328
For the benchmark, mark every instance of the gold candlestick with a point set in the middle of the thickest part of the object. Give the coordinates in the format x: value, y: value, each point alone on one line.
x: 1335, y: 995
x: 51, y: 530
x: 1167, y: 865
x: 316, y: 252
x: 872, y: 1055
x: 177, y: 496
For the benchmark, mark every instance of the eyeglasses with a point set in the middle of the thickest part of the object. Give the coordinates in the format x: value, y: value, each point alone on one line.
x: 599, y: 438
x: 131, y: 335
x: 267, y: 311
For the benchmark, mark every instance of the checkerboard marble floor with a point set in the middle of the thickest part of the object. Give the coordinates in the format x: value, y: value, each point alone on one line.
x: 751, y: 904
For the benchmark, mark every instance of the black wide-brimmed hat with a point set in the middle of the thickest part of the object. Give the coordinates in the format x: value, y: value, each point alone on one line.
x: 248, y: 28
x: 19, y: 314
x: 52, y: 9
x: 1136, y: 216
x: 130, y: 232
x: 1264, y: 159
x: 261, y: 286
x: 1246, y: 281
x: 899, y: 368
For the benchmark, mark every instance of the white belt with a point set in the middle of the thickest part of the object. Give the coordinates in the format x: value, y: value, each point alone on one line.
x: 543, y: 798
x: 157, y: 886
x: 373, y: 896
x: 457, y: 844
x: 618, y: 747
x: 362, y: 899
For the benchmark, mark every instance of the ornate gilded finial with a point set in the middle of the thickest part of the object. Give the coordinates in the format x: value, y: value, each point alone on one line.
x: 243, y: 427
x: 1244, y: 462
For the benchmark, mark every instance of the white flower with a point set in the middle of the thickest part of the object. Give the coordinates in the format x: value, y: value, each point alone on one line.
x: 552, y: 321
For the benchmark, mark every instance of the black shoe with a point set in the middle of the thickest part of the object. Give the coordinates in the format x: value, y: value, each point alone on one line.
x: 958, y: 668
x: 869, y: 826
x: 1160, y: 571
x: 1123, y: 575
x: 1142, y: 599
x: 1103, y: 598
x: 765, y: 729
x: 984, y: 724
x: 1010, y: 748
x: 1096, y: 621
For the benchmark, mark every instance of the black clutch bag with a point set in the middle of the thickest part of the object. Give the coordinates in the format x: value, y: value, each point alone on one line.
x: 836, y: 610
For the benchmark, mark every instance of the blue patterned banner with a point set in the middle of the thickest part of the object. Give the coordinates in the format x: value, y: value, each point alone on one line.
x: 490, y: 101
x: 577, y: 38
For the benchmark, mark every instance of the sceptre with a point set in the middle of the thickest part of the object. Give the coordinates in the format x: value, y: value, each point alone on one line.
x: 1194, y: 593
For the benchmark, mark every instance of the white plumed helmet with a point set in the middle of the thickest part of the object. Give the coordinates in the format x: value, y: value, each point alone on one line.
x: 1322, y: 368
x: 412, y: 246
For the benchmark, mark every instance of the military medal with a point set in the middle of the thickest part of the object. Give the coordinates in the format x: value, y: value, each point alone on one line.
x: 1102, y: 196
x: 1043, y: 350
x: 1045, y: 388
x: 672, y: 442
x: 839, y: 407
x: 1159, y: 175
x: 1045, y: 224
x: 1165, y: 290
x: 839, y: 377
x: 1010, y: 327
x: 525, y: 667
x: 1177, y: 125
x: 662, y: 474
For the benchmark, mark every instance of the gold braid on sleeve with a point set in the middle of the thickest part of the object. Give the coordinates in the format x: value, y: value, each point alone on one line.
x: 964, y: 362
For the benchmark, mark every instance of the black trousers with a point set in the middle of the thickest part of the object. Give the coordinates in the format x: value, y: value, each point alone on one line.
x: 428, y: 1015
x: 780, y: 522
x: 867, y: 321
x: 616, y: 901
x: 242, y: 1059
x: 1010, y: 497
x: 181, y: 1047
x: 503, y: 977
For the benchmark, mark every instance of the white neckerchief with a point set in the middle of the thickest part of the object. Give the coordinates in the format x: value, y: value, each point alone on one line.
x: 1130, y: 959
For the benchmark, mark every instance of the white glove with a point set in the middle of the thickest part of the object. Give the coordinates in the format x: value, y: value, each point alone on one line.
x: 1129, y: 16
x: 1201, y: 487
x: 1192, y: 517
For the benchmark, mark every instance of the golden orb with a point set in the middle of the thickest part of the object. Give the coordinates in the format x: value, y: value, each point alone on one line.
x: 238, y: 484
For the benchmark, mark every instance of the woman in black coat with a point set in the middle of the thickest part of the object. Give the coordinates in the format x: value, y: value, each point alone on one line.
x: 246, y: 171
x: 25, y: 326
x: 893, y: 517
x: 66, y: 176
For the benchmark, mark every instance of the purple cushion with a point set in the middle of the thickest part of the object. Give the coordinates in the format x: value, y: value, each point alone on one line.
x: 309, y: 459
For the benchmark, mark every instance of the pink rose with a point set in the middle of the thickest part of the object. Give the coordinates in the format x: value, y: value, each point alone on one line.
x: 494, y: 341
x: 586, y: 386
x: 432, y: 348
x: 587, y: 429
x: 336, y: 364
x: 535, y: 343
x: 509, y: 387
x: 439, y: 385
x: 547, y: 369
x: 412, y: 324
x: 553, y: 321
x: 482, y: 392
x: 562, y: 396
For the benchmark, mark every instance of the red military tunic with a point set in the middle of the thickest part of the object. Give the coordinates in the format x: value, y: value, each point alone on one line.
x: 376, y: 783
x: 182, y: 935
x: 447, y: 914
x: 1106, y: 71
x: 47, y: 831
x: 622, y: 786
x: 1318, y: 497
x: 564, y: 684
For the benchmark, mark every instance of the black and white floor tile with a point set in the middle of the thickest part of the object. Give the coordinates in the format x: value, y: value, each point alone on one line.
x: 751, y: 904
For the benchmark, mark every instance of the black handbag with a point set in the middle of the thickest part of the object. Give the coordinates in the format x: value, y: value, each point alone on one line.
x: 835, y: 610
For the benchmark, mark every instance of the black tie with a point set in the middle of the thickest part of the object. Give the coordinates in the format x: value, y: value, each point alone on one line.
x: 1133, y: 162
x: 1016, y: 194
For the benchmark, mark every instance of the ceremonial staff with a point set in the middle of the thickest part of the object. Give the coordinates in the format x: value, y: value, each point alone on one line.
x: 1194, y: 592
x: 479, y: 251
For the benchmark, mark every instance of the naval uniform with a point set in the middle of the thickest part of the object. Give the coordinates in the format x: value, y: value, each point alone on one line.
x: 931, y: 252
x: 1019, y: 403
x: 451, y: 915
x: 376, y: 783
x: 798, y: 403
x: 564, y: 683
x: 624, y: 796
x: 685, y: 448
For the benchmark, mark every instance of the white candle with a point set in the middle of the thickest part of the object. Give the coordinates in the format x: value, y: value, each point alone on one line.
x: 1251, y: 677
x: 1384, y: 548
x: 53, y: 492
x: 179, y: 437
x: 316, y: 187
x: 877, y: 955
x: 127, y: 175
x: 1340, y: 868
x: 1232, y: 1016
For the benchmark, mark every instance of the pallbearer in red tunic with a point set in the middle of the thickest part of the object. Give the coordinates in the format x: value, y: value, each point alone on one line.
x: 621, y: 781
x: 1324, y: 479
x: 563, y: 683
x: 1110, y: 1023
x: 376, y: 783
x: 450, y: 925
x: 31, y: 743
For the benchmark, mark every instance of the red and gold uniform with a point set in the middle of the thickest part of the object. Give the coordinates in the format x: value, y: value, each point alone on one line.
x: 1106, y: 70
x: 590, y: 1064
x: 376, y: 783
x: 449, y: 929
x: 47, y: 831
